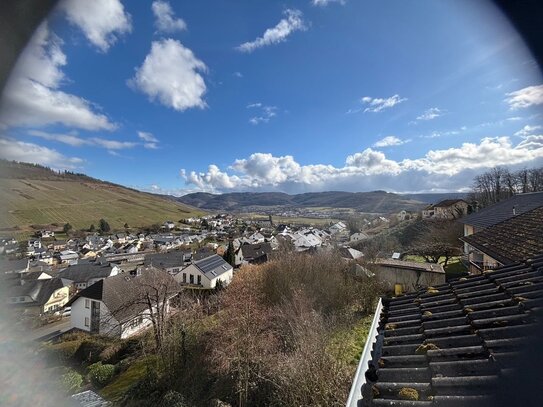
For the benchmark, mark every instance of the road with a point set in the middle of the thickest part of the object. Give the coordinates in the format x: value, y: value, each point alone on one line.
x: 49, y: 331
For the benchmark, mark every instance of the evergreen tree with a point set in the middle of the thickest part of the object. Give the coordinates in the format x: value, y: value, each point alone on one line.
x: 92, y: 228
x: 104, y: 226
x: 230, y: 254
x: 67, y: 228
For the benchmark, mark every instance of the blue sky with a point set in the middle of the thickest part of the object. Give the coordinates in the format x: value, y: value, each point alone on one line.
x: 291, y: 96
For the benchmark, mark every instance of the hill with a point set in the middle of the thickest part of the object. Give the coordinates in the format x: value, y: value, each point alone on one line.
x: 374, y: 202
x: 35, y: 195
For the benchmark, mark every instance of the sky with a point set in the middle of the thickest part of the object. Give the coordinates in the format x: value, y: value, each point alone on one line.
x: 294, y: 96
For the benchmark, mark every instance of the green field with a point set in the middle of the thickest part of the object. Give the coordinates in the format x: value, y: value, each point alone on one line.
x: 25, y: 202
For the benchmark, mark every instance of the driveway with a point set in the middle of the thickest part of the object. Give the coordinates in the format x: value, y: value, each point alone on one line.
x: 49, y: 331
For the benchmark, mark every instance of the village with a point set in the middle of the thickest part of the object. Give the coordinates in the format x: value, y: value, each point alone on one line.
x: 124, y: 284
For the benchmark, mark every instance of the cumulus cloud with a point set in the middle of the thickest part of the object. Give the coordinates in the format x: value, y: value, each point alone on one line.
x: 171, y: 74
x: 390, y: 141
x: 430, y: 114
x: 102, y: 21
x: 527, y: 130
x: 380, y: 104
x: 437, y: 170
x: 292, y: 22
x: 166, y: 21
x: 525, y: 97
x: 33, y: 97
x: 324, y: 3
x: 30, y: 152
x: 265, y: 113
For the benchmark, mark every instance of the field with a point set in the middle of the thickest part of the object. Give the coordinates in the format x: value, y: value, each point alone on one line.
x: 317, y: 222
x: 26, y: 202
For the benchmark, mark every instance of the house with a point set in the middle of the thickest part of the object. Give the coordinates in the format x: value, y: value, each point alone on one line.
x: 206, y: 273
x: 168, y: 225
x: 499, y: 212
x: 358, y: 236
x: 337, y: 228
x: 118, y: 306
x: 39, y: 294
x: 83, y: 275
x: 446, y: 209
x: 468, y: 342
x: 515, y: 239
x: 172, y: 262
x: 14, y: 266
x: 349, y: 253
x: 255, y: 253
x: 67, y: 257
x: 46, y: 233
x: 408, y: 275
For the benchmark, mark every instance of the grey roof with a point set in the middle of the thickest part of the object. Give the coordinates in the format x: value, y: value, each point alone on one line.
x: 83, y: 272
x: 256, y: 251
x: 89, y: 399
x: 39, y: 290
x: 174, y: 258
x: 123, y: 294
x: 458, y: 343
x: 513, y: 240
x: 13, y: 265
x: 213, y: 266
x: 504, y: 210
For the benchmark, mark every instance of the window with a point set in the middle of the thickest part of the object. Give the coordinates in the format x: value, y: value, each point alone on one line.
x: 191, y: 277
x: 21, y: 299
x: 184, y: 277
x: 199, y: 280
x: 86, y: 321
x: 87, y: 303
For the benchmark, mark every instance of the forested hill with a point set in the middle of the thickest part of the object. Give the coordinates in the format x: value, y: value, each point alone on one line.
x: 374, y: 202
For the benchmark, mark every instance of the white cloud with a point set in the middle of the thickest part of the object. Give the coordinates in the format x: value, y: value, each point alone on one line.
x: 266, y: 113
x: 379, y: 104
x: 390, y: 141
x: 437, y: 170
x: 75, y: 141
x: 171, y: 75
x: 32, y: 96
x: 102, y: 21
x: 527, y: 130
x: 430, y: 114
x: 33, y: 153
x: 324, y: 3
x: 292, y: 22
x: 145, y: 136
x: 165, y: 18
x: 525, y: 97
x: 238, y: 74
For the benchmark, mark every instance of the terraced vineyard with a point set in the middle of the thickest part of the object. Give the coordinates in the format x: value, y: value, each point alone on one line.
x: 81, y: 201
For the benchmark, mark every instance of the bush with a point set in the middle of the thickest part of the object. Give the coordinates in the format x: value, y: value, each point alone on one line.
x: 90, y: 350
x: 65, y: 351
x: 100, y: 374
x: 71, y: 381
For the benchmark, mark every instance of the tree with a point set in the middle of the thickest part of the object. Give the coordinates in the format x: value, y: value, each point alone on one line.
x: 355, y: 224
x: 104, y: 226
x: 230, y: 254
x: 438, y: 239
x: 151, y: 291
x: 67, y: 228
x: 126, y: 226
x: 92, y: 228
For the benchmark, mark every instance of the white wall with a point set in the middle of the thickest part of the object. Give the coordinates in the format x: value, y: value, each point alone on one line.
x: 78, y: 314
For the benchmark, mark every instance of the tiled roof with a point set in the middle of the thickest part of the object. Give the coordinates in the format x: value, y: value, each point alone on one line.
x: 504, y: 210
x: 410, y: 265
x: 255, y: 251
x: 512, y: 240
x: 453, y: 344
x: 448, y: 202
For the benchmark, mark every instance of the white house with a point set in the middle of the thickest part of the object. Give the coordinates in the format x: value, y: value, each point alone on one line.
x: 205, y: 273
x: 118, y: 306
x: 84, y: 275
x: 357, y: 237
x: 337, y: 228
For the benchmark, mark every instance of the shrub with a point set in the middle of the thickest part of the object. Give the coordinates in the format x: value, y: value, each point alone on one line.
x: 63, y: 352
x: 90, y: 350
x: 71, y: 381
x: 101, y: 374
